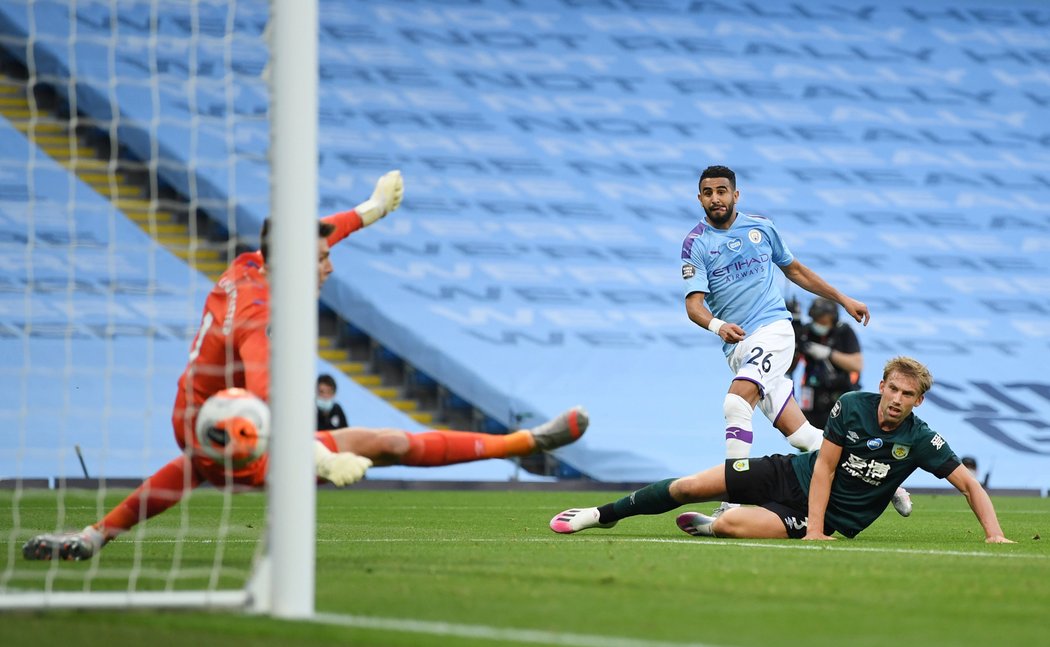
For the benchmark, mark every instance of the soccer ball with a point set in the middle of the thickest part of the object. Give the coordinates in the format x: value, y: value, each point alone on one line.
x: 233, y: 427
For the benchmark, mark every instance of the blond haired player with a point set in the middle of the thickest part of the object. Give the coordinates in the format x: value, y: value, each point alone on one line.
x: 872, y: 443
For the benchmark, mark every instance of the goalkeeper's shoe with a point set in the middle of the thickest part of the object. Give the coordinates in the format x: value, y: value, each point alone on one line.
x: 386, y: 197
x: 696, y: 524
x: 565, y: 429
x: 70, y: 546
x: 902, y: 502
x: 577, y: 519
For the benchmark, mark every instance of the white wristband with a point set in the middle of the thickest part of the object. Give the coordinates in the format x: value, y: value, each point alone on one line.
x: 370, y: 211
x: 714, y: 325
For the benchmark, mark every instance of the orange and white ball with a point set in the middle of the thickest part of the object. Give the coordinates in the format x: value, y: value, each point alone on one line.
x: 233, y: 427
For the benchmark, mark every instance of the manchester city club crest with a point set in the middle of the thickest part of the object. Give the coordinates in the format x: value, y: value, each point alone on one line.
x: 755, y: 236
x: 900, y: 452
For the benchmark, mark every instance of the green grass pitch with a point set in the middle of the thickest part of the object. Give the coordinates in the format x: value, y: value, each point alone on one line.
x: 488, y: 560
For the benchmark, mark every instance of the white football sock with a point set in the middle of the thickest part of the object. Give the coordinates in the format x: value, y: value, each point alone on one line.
x: 739, y: 435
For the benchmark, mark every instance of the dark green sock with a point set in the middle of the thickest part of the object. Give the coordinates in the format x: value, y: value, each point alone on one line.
x: 651, y: 499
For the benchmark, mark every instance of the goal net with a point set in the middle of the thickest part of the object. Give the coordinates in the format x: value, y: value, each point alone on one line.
x: 127, y: 127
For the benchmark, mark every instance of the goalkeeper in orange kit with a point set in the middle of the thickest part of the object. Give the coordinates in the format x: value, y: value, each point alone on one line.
x: 232, y: 350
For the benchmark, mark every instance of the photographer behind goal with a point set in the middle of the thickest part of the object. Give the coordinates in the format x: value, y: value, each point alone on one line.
x: 832, y: 357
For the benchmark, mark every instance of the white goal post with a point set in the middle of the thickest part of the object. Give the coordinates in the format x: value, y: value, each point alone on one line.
x: 282, y: 582
x: 293, y: 203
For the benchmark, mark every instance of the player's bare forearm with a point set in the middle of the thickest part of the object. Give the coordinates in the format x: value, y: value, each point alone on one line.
x: 983, y: 509
x: 820, y: 489
x: 699, y: 314
x: 852, y: 362
x: 810, y: 281
x: 980, y: 503
x: 696, y: 310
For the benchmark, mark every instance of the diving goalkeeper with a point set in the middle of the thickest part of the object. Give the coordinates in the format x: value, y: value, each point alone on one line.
x: 232, y: 350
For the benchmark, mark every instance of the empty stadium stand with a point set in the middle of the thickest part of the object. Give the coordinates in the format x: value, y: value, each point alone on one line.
x: 551, y: 156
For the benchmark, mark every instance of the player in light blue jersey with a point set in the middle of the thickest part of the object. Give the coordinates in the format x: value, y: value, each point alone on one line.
x: 730, y: 273
x: 728, y: 261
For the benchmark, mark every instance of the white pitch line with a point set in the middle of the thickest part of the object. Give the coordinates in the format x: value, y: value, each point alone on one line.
x: 838, y: 546
x: 489, y: 633
x: 833, y: 547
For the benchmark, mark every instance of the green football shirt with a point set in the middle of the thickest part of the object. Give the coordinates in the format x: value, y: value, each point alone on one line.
x: 874, y: 463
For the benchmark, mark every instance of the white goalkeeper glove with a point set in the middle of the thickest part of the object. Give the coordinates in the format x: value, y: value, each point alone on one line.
x: 342, y: 468
x: 387, y: 197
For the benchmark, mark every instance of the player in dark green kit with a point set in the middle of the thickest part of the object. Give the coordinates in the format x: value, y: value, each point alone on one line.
x: 872, y: 443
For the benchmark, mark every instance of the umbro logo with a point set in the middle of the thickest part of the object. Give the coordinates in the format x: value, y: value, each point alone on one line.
x: 852, y: 436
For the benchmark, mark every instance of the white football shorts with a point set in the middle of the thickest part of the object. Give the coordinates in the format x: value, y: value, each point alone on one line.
x: 764, y: 358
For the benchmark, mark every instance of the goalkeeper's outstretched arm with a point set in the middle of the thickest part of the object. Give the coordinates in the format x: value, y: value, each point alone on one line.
x: 386, y: 198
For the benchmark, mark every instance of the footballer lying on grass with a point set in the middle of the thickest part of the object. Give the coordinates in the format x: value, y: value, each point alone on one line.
x: 872, y: 443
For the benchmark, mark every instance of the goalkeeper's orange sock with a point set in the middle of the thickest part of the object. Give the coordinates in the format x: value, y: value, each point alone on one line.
x: 434, y: 448
x: 156, y: 494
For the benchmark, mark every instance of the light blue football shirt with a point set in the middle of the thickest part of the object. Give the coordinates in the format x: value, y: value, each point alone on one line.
x: 734, y: 269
